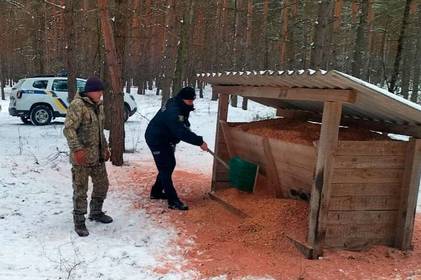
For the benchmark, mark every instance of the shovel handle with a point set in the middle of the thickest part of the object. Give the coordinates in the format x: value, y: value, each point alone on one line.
x: 218, y: 159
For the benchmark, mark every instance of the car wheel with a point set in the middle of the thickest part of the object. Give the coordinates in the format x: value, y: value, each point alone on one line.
x: 25, y: 120
x: 41, y: 115
x: 126, y: 113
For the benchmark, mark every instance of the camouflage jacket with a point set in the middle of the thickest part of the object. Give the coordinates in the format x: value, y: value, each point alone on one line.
x: 84, y: 129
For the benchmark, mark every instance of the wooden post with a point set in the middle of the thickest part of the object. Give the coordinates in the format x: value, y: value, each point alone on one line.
x: 220, y: 178
x: 409, y: 194
x: 321, y: 187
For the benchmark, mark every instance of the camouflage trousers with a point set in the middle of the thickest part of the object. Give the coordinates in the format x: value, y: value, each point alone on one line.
x: 80, y: 176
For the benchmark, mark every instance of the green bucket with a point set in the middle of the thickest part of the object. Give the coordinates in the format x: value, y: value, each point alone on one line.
x: 242, y: 174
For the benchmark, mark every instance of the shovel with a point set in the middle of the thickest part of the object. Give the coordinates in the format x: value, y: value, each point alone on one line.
x: 242, y: 173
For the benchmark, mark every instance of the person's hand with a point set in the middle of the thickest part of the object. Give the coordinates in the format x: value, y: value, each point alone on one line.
x: 107, y: 154
x: 204, y: 146
x: 80, y: 156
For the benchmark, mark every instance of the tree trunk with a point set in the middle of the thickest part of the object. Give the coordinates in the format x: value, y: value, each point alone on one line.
x: 3, y: 83
x: 416, y: 88
x: 370, y: 48
x: 361, y: 41
x: 70, y: 46
x: 249, y: 35
x: 200, y: 85
x: 183, y: 48
x: 336, y: 31
x: 170, y: 48
x: 220, y: 9
x: 37, y: 35
x: 224, y: 35
x: 3, y: 95
x: 129, y: 86
x: 85, y: 49
x: 236, y: 44
x: 354, y: 10
x: 248, y: 46
x: 135, y: 47
x: 408, y: 53
x: 401, y: 42
x: 115, y: 76
x: 2, y: 75
x: 337, y: 15
x: 291, y: 50
x: 318, y: 57
x: 284, y: 34
x: 265, y: 34
x: 406, y: 71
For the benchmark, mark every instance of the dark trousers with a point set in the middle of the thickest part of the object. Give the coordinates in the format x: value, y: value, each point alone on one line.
x: 165, y: 162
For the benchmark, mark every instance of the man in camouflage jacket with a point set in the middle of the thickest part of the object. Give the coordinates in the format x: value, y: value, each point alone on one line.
x: 84, y: 130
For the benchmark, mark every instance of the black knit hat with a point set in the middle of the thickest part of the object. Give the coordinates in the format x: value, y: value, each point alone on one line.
x: 187, y: 93
x: 93, y: 84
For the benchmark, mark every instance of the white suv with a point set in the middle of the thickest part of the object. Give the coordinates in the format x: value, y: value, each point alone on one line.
x: 40, y: 99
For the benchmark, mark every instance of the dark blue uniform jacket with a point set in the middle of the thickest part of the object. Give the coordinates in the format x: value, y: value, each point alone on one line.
x: 171, y: 125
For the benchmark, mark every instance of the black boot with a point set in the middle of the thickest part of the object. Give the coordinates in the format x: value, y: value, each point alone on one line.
x: 80, y: 227
x: 161, y: 195
x: 101, y: 217
x: 177, y: 205
x: 157, y: 191
x: 96, y: 213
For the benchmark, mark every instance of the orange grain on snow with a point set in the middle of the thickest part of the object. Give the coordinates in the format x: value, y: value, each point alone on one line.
x: 216, y: 242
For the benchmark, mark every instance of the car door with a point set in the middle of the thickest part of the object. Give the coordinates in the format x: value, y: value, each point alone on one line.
x: 60, y: 94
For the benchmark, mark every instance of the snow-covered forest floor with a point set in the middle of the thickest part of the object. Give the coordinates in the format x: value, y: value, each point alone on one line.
x: 37, y: 238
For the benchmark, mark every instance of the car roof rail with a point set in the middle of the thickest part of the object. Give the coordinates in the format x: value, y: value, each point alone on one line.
x: 41, y: 76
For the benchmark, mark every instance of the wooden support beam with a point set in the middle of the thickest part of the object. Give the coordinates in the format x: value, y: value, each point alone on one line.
x: 307, y: 94
x: 321, y: 187
x: 220, y: 146
x: 304, y: 248
x: 409, y: 195
x: 228, y: 206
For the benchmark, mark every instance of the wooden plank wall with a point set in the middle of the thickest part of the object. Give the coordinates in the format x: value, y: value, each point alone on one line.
x: 365, y: 193
x: 295, y: 165
x: 289, y: 165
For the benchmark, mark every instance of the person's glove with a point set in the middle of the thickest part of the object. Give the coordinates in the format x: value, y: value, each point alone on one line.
x: 80, y: 156
x: 107, y: 154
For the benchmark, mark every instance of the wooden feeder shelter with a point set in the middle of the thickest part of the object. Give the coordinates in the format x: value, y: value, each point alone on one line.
x: 360, y: 192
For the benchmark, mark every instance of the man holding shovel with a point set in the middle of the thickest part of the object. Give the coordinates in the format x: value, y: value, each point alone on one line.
x: 169, y: 126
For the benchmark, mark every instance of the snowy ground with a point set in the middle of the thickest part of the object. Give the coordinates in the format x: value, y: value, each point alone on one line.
x: 37, y: 237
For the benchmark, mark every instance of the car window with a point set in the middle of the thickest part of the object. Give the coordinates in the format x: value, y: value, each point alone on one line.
x: 18, y: 84
x: 41, y: 84
x: 80, y: 85
x: 59, y: 85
